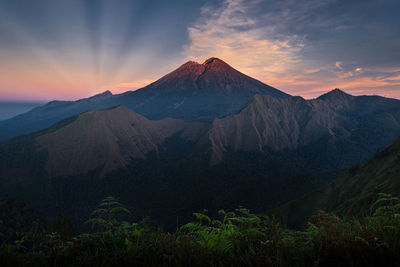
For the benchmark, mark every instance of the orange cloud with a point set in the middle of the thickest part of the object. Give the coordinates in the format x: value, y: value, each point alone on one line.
x: 234, y: 36
x: 218, y: 33
x: 313, y: 86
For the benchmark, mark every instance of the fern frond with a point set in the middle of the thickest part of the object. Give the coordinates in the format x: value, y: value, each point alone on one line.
x: 202, y: 217
x: 99, y: 221
x: 110, y: 203
x: 120, y: 209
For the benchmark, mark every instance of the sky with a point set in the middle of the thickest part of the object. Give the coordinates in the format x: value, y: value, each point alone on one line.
x: 71, y: 49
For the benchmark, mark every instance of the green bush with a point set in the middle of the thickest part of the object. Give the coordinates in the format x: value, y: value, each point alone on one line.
x: 237, y: 238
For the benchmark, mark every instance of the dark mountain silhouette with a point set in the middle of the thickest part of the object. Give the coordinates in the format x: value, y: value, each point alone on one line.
x: 54, y: 111
x: 193, y: 92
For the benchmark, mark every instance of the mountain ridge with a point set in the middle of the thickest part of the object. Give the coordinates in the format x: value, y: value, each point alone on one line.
x: 272, y: 151
x: 213, y: 73
x: 265, y: 122
x: 293, y: 122
x: 192, y: 92
x: 107, y: 138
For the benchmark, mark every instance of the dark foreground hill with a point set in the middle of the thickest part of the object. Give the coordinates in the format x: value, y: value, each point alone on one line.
x: 354, y: 193
x: 270, y: 152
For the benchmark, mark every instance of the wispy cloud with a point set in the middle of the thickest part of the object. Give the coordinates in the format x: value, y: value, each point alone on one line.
x: 73, y: 49
x: 229, y: 32
x: 353, y: 79
x: 275, y: 46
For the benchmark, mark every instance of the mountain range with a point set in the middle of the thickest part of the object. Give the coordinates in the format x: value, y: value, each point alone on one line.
x: 193, y: 92
x: 203, y: 136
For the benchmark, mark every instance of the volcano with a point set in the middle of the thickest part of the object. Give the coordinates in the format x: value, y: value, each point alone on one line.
x: 192, y: 92
x: 214, y: 76
x: 198, y: 92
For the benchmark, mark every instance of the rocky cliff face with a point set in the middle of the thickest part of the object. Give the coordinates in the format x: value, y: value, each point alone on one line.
x: 342, y: 128
x: 275, y: 123
x: 293, y: 122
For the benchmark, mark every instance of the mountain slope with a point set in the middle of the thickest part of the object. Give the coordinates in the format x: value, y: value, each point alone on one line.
x: 276, y: 123
x: 195, y: 92
x: 54, y: 111
x: 107, y: 138
x: 213, y: 76
x: 198, y: 92
x: 353, y: 193
x: 345, y: 127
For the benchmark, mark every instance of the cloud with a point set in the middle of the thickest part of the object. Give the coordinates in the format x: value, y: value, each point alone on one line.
x: 338, y: 65
x: 303, y: 47
x: 230, y: 33
x: 275, y: 43
x: 357, y: 81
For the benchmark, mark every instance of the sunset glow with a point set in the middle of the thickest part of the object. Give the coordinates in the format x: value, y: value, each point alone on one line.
x: 301, y: 47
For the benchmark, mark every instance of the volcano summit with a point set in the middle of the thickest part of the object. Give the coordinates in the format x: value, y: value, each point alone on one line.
x: 192, y: 92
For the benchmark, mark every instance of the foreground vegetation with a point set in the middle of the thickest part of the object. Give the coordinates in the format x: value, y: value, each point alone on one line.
x: 232, y: 239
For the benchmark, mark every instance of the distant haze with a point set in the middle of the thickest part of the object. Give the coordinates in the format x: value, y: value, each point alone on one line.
x: 11, y: 109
